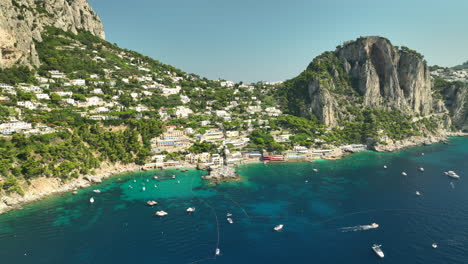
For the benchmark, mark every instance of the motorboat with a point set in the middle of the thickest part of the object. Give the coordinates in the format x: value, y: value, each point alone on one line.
x: 378, y: 250
x: 91, y: 200
x: 434, y: 245
x: 418, y: 193
x: 191, y: 209
x: 315, y: 170
x: 143, y: 188
x: 374, y: 225
x: 155, y: 177
x: 75, y: 192
x: 385, y: 166
x: 404, y: 174
x: 228, y: 214
x: 97, y: 191
x: 278, y: 227
x: 452, y: 174
x: 161, y: 213
x: 230, y: 220
x: 173, y: 177
x: 217, y: 252
x: 421, y: 169
x: 178, y: 181
x: 151, y: 203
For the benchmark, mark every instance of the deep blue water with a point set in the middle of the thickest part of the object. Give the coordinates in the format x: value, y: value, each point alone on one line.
x: 120, y: 228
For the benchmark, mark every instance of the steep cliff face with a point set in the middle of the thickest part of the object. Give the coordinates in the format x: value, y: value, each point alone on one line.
x: 456, y: 100
x: 22, y: 21
x: 368, y: 72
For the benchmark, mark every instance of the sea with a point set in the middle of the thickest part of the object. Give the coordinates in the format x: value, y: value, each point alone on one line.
x: 326, y: 214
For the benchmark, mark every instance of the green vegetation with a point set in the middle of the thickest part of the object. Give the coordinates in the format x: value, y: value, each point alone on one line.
x: 17, y: 74
x: 411, y: 51
x: 263, y: 140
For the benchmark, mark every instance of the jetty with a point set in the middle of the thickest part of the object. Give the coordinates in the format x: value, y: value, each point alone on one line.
x: 221, y: 174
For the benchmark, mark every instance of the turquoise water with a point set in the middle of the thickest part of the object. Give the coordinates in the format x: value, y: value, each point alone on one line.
x: 321, y: 213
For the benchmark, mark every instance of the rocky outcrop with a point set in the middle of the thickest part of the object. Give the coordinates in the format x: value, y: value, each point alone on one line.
x: 367, y: 72
x: 22, y: 21
x: 456, y: 100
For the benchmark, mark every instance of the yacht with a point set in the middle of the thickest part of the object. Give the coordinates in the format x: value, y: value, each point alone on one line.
x: 218, y: 252
x: 378, y: 250
x: 230, y: 220
x: 91, y: 200
x: 452, y: 174
x: 278, y: 227
x: 191, y: 209
x: 161, y: 213
x: 97, y: 191
x: 404, y: 174
x: 151, y: 203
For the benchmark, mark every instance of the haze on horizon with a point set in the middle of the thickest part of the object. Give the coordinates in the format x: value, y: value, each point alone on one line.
x: 275, y: 40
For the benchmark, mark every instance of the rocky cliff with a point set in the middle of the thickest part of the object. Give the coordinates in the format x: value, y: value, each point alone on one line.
x: 456, y: 100
x: 367, y: 72
x: 22, y: 21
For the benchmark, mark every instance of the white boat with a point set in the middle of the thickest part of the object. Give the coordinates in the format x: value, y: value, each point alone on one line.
x: 143, y: 189
x: 385, y: 166
x: 228, y: 214
x: 134, y: 180
x: 378, y: 250
x: 452, y: 174
x: 404, y: 174
x: 97, y: 191
x: 434, y: 245
x: 230, y: 220
x: 155, y: 177
x: 374, y: 225
x: 315, y: 170
x: 418, y: 193
x: 178, y: 181
x: 422, y: 154
x: 191, y: 209
x: 421, y: 169
x: 278, y: 227
x: 173, y: 176
x: 91, y: 200
x: 151, y: 203
x: 218, y: 252
x: 161, y: 213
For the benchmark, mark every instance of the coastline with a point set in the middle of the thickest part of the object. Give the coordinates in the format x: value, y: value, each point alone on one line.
x: 43, y: 187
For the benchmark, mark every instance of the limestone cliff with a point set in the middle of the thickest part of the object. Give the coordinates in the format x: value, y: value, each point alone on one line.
x: 456, y: 100
x: 22, y: 21
x: 367, y: 72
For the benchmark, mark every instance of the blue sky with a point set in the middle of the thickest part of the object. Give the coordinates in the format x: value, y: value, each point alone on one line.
x: 253, y: 40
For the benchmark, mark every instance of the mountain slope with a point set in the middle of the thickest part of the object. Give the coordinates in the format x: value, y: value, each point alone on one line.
x: 23, y: 21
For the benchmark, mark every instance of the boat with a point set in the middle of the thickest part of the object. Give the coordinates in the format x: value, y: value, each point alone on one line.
x: 91, y: 200
x: 161, y: 213
x: 173, y: 176
x: 75, y: 192
x: 315, y: 170
x: 134, y: 180
x: 218, y: 252
x: 178, y: 181
x: 421, y: 169
x: 151, y: 203
x: 422, y: 154
x: 418, y: 193
x: 230, y: 220
x: 191, y: 209
x: 228, y: 214
x: 434, y: 245
x: 278, y: 227
x: 374, y: 225
x: 155, y: 177
x: 97, y: 191
x: 385, y: 166
x: 452, y: 174
x: 378, y: 250
x: 143, y: 189
x: 404, y: 174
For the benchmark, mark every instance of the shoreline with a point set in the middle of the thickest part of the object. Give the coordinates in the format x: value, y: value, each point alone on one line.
x: 42, y: 187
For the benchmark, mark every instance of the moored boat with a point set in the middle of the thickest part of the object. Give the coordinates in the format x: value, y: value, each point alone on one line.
x: 191, y: 209
x: 97, y: 191
x: 452, y: 174
x: 421, y: 169
x: 91, y: 200
x: 151, y: 203
x: 434, y: 245
x: 230, y: 220
x: 278, y: 227
x: 404, y: 174
x: 376, y: 248
x: 161, y: 213
x: 218, y: 252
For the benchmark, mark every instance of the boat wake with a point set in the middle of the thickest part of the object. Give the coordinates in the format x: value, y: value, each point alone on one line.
x: 359, y: 228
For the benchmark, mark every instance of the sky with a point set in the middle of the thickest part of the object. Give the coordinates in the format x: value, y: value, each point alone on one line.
x: 273, y: 40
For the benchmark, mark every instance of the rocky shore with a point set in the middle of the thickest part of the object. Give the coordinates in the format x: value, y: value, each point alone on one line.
x: 42, y: 187
x: 392, y: 146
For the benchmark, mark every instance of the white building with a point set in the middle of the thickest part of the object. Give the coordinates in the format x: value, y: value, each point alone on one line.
x: 14, y: 127
x: 97, y: 91
x: 78, y: 82
x: 183, y: 112
x: 170, y: 91
x: 57, y: 75
x: 94, y: 101
x: 64, y: 94
x: 42, y: 96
